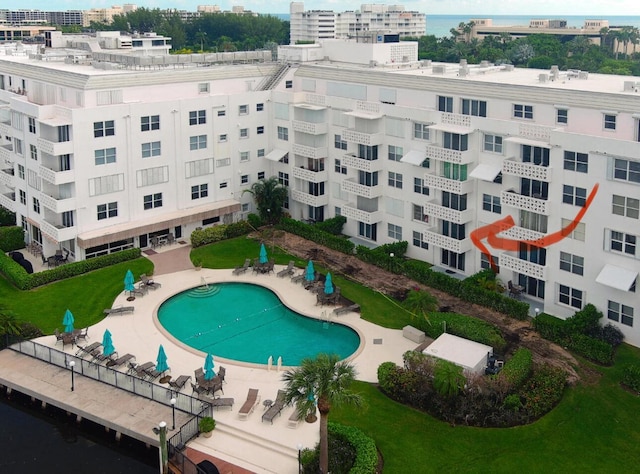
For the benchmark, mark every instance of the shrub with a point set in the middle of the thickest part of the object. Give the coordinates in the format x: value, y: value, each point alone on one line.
x: 592, y: 348
x: 333, y: 226
x: 200, y: 237
x: 254, y: 220
x: 462, y: 326
x: 11, y: 238
x: 237, y: 229
x: 448, y: 379
x: 631, y: 377
x: 610, y: 334
x: 512, y: 402
x: 386, y: 371
x: 543, y: 391
x: 7, y: 218
x: 584, y: 321
x: 518, y: 368
x: 319, y: 236
x: 551, y: 328
x: 207, y: 424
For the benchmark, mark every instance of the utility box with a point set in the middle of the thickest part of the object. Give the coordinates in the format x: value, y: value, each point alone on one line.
x: 413, y: 334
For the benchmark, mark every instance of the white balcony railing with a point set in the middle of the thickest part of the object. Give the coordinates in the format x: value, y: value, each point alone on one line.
x: 439, y: 153
x: 441, y: 212
x: 524, y: 267
x: 57, y: 205
x: 526, y: 203
x: 7, y: 178
x: 55, y: 148
x: 56, y: 177
x: 58, y: 233
x: 451, y: 185
x: 447, y: 243
x: 309, y: 127
x: 310, y: 151
x: 363, y: 138
x: 8, y: 201
x: 310, y: 199
x: 350, y: 211
x: 369, y: 192
x: 526, y: 170
x: 352, y: 161
x: 310, y: 175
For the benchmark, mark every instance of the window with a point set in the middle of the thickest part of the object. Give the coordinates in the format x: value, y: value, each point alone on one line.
x: 244, y: 156
x: 339, y: 143
x: 562, y: 116
x: 259, y: 107
x: 609, y: 122
x: 104, y: 129
x: 579, y: 233
x: 20, y: 171
x: 260, y: 130
x: 197, y: 117
x: 244, y: 133
x: 149, y: 122
x: 533, y: 221
x: 150, y: 149
x: 454, y: 171
x: 574, y: 161
x: 106, y: 211
x: 243, y: 110
x: 36, y: 205
x: 493, y: 143
x: 445, y: 104
x: 571, y: 263
x: 622, y: 242
x: 418, y: 240
x: 223, y: 184
x: 523, y: 111
x: 203, y: 87
x: 486, y: 264
x: 260, y: 152
x: 574, y: 195
x: 339, y: 168
x: 23, y: 197
x: 626, y: 170
x: 244, y: 179
x: 199, y: 191
x: 535, y: 154
x: 491, y: 203
x: 625, y: 206
x: 106, y: 156
x: 454, y: 201
x: 198, y: 142
x: 477, y: 108
x: 223, y: 162
x: 395, y: 153
x: 222, y: 113
x: 455, y: 141
x: 33, y: 152
x: 368, y: 231
x: 570, y: 296
x: 620, y: 313
x: 452, y: 259
x: 419, y: 186
x: 418, y: 213
x: 453, y: 230
x: 32, y: 125
x: 394, y: 231
x: 17, y: 146
x: 261, y: 175
x: 421, y: 131
x: 288, y: 84
x: 283, y: 178
x: 283, y: 133
x: 245, y: 207
x: 395, y: 180
x: 368, y: 179
x: 284, y: 159
x: 534, y: 188
x: 152, y: 201
x: 64, y: 133
x: 367, y: 152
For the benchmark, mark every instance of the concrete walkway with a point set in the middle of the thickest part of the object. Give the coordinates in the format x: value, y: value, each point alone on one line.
x: 170, y: 259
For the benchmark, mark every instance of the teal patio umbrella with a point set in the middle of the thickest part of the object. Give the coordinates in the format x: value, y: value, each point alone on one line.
x: 208, y: 368
x: 310, y: 274
x: 161, y: 360
x: 68, y: 321
x: 107, y: 344
x: 328, y: 285
x: 263, y: 254
x: 128, y: 281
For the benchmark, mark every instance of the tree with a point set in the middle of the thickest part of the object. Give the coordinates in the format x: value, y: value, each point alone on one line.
x: 326, y: 379
x: 420, y: 302
x: 9, y: 325
x: 269, y: 196
x: 448, y: 378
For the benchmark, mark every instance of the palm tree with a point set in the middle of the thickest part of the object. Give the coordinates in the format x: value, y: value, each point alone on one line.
x: 270, y: 197
x: 327, y: 379
x: 420, y: 302
x: 9, y: 325
x: 448, y: 378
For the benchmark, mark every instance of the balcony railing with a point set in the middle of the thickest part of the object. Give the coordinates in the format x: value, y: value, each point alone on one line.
x: 310, y: 175
x: 439, y: 153
x: 310, y: 199
x: 309, y: 151
x: 55, y: 148
x: 521, y: 233
x: 58, y: 232
x: 363, y: 138
x: 369, y: 192
x: 446, y: 184
x: 57, y: 205
x: 7, y: 177
x: 352, y: 161
x: 526, y: 203
x: 350, y: 211
x: 8, y: 201
x: 524, y: 267
x: 448, y: 214
x: 447, y: 243
x: 310, y: 127
x: 6, y: 152
x: 526, y: 170
x: 56, y: 177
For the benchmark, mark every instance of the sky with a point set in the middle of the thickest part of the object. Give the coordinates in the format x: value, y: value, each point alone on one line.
x: 550, y: 8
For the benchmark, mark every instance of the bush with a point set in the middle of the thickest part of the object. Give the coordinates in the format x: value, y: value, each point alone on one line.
x: 610, y: 334
x: 333, y: 226
x: 463, y: 326
x: 11, y: 238
x: 317, y: 235
x: 237, y: 229
x: 386, y: 372
x: 592, y: 348
x: 517, y: 369
x: 543, y: 391
x: 7, y: 218
x: 206, y: 424
x: 551, y: 328
x: 208, y: 235
x: 631, y: 377
x: 254, y: 220
x: 585, y: 321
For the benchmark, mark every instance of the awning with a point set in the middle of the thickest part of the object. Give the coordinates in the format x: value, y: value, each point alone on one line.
x: 446, y: 127
x: 364, y: 115
x: 128, y: 230
x: 414, y: 158
x: 617, y: 277
x: 276, y: 155
x: 310, y: 106
x: 527, y: 141
x: 486, y: 172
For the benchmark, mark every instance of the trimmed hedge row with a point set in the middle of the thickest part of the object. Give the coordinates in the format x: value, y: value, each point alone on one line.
x: 216, y: 233
x: 517, y: 369
x: 462, y: 326
x: 321, y: 237
x: 23, y: 281
x: 592, y: 348
x: 631, y: 377
x: 333, y: 226
x: 366, y: 461
x: 11, y: 238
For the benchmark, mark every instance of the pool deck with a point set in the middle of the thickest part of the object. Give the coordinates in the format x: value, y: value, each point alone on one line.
x: 256, y: 446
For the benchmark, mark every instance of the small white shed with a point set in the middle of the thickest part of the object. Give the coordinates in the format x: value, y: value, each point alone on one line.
x: 470, y: 355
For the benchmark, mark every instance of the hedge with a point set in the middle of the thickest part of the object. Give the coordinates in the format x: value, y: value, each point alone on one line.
x: 366, y: 461
x: 11, y: 238
x: 333, y: 226
x: 631, y: 377
x: 551, y: 328
x: 216, y: 233
x: 591, y: 348
x: 518, y: 368
x: 318, y: 236
x: 23, y: 281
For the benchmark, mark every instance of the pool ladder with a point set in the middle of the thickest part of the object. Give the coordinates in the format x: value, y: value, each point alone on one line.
x: 278, y: 362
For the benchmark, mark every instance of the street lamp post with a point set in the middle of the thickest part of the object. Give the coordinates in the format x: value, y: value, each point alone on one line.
x: 173, y: 412
x: 299, y: 458
x: 72, y: 364
x: 161, y: 431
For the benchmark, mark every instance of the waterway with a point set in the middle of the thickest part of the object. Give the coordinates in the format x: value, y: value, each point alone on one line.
x: 33, y: 440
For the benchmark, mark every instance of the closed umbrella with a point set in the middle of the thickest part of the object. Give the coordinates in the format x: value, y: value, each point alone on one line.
x: 310, y: 274
x: 107, y: 344
x: 161, y: 360
x: 328, y: 285
x: 263, y: 254
x: 208, y: 368
x: 68, y: 321
x: 128, y: 282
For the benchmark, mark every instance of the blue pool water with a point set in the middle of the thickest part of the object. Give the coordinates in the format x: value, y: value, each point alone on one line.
x: 249, y: 323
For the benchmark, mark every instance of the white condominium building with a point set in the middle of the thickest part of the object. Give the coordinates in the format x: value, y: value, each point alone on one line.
x: 314, y: 25
x: 104, y: 152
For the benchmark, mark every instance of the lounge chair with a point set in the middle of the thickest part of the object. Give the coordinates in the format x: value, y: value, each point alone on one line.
x: 149, y: 283
x: 298, y: 278
x: 243, y: 268
x: 88, y: 350
x: 120, y: 310
x: 152, y: 373
x: 120, y: 361
x: 140, y: 370
x: 98, y: 356
x: 216, y: 402
x: 276, y: 408
x: 250, y: 403
x: 179, y: 382
x: 295, y: 418
x: 346, y: 309
x: 288, y: 271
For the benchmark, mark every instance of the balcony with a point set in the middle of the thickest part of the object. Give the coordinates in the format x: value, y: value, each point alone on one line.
x: 350, y: 211
x: 57, y: 205
x: 310, y: 175
x: 363, y: 138
x: 526, y: 203
x: 8, y: 201
x: 352, y: 161
x: 6, y: 152
x: 309, y: 151
x: 7, y: 177
x: 451, y: 185
x: 521, y: 233
x: 5, y: 129
x: 310, y: 127
x: 369, y: 192
x: 448, y: 214
x: 57, y: 232
x: 447, y: 243
x: 56, y: 177
x: 524, y: 267
x: 526, y: 170
x: 55, y: 148
x: 310, y: 199
x: 439, y: 153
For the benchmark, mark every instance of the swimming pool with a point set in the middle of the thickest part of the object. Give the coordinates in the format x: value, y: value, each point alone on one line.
x: 249, y: 323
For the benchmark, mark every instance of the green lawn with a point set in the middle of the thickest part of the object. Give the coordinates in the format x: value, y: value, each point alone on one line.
x: 594, y: 429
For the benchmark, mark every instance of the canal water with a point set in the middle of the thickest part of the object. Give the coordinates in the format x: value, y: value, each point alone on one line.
x: 33, y: 440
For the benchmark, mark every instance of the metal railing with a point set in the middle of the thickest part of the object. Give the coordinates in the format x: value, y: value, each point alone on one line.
x: 177, y: 443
